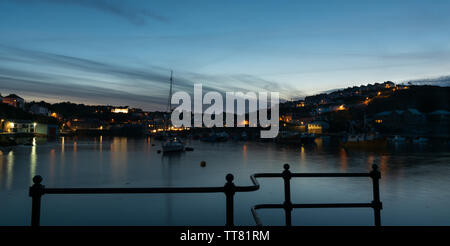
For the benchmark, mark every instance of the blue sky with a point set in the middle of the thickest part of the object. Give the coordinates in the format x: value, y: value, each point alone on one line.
x: 121, y: 52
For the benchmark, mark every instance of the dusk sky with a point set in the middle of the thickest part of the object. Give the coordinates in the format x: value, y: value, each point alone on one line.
x: 121, y: 52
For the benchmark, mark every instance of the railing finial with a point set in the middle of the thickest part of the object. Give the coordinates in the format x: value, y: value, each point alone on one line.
x: 375, y: 167
x: 36, y: 191
x: 229, y: 191
x: 229, y: 178
x: 375, y: 173
x: 286, y: 166
x: 37, y: 179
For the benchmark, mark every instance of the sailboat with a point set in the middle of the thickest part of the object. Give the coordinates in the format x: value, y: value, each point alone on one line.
x: 172, y: 144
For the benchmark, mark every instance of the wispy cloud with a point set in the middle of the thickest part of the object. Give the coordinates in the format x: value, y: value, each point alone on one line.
x: 63, y: 77
x: 134, y: 15
x: 440, y: 81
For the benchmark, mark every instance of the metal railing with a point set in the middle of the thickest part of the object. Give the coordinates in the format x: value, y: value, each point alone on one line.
x: 288, y: 206
x: 37, y: 190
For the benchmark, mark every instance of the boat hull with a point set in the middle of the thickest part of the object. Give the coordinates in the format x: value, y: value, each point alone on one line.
x: 172, y: 149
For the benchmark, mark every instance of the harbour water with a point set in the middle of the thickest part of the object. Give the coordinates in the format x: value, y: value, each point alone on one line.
x: 415, y: 184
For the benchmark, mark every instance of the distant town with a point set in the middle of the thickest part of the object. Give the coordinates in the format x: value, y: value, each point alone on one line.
x: 385, y: 108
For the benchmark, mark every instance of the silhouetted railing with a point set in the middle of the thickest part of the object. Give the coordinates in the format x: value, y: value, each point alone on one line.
x: 288, y: 205
x: 229, y: 189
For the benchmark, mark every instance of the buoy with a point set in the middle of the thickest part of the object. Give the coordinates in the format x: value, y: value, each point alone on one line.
x: 153, y: 144
x: 203, y: 163
x: 189, y: 149
x: 159, y: 151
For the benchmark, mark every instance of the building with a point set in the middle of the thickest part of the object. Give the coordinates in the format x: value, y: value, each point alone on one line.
x: 391, y: 120
x: 18, y: 126
x: 14, y: 100
x: 410, y: 120
x: 49, y: 130
x: 39, y: 110
x: 286, y: 118
x: 318, y: 126
x: 120, y: 110
x: 412, y: 117
x: 302, y: 119
x: 85, y: 124
x: 300, y: 104
x: 439, y: 116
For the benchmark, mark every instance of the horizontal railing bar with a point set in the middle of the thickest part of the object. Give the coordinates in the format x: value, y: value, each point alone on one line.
x: 317, y: 205
x: 326, y: 175
x: 268, y: 175
x: 253, y: 187
x: 260, y: 206
x: 333, y: 205
x: 312, y: 175
x: 133, y: 190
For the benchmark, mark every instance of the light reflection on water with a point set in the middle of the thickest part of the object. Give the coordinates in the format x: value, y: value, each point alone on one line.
x: 414, y: 185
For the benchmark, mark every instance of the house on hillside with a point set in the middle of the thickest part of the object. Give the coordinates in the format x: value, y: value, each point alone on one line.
x: 14, y: 100
x: 86, y: 124
x: 49, y: 130
x: 39, y: 110
x: 318, y: 126
x: 439, y: 122
x: 439, y: 116
x: 410, y: 120
x: 18, y: 126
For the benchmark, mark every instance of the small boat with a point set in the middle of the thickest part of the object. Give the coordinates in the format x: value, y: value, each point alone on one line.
x: 420, y: 140
x: 397, y: 139
x: 7, y: 145
x: 172, y: 145
x: 209, y: 138
x: 214, y: 137
x: 365, y: 141
x: 288, y: 137
x: 6, y: 149
x: 222, y: 136
x: 244, y: 136
x: 354, y: 138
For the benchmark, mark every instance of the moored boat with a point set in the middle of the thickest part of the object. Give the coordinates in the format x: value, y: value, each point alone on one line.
x: 307, y: 138
x: 173, y: 145
x: 364, y: 141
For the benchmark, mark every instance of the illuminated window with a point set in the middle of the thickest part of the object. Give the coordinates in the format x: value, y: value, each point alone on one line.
x: 120, y: 110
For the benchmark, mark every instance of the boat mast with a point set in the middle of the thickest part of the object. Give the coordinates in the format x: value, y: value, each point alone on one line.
x: 169, y: 104
x: 170, y: 93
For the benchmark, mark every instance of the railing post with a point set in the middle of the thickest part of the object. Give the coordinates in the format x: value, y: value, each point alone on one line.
x: 376, y: 203
x: 36, y: 192
x: 287, y: 194
x: 229, y: 193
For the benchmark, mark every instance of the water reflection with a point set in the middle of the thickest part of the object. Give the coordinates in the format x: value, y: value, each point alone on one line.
x: 411, y: 176
x: 343, y: 159
x: 244, y: 153
x: 62, y: 144
x: 33, y: 160
x: 1, y: 169
x: 302, y: 154
x: 52, y: 157
x: 384, y: 164
x: 118, y: 156
x: 100, y: 144
x: 10, y: 170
